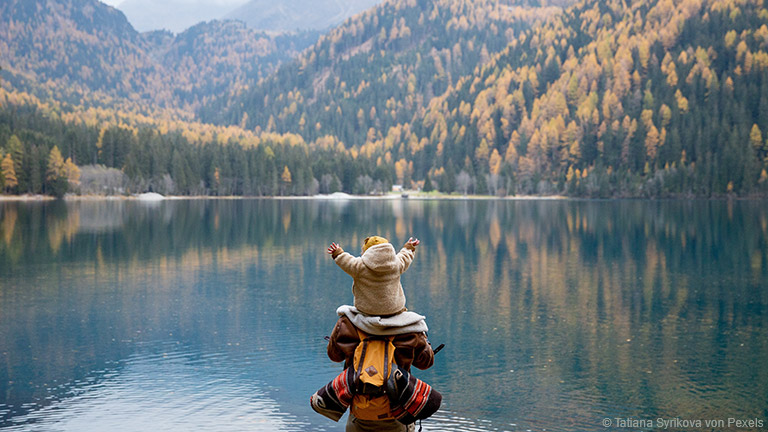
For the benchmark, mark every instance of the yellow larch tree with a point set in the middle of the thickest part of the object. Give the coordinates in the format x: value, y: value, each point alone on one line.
x: 9, y: 173
x: 56, y: 164
x: 72, y: 172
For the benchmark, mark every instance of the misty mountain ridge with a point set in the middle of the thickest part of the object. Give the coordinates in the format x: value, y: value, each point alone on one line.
x: 273, y: 16
x: 292, y: 15
x: 174, y: 15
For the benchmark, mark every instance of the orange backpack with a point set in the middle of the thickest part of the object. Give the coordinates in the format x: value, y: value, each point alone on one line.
x: 374, y: 362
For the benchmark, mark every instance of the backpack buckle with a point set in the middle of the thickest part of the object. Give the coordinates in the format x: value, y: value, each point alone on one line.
x: 368, y: 389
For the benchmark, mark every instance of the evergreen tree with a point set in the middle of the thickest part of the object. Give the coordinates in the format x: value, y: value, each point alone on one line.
x: 35, y: 165
x: 448, y: 179
x: 427, y: 185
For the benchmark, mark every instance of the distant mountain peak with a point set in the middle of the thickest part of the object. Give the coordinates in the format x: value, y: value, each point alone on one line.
x: 292, y: 15
x: 175, y: 15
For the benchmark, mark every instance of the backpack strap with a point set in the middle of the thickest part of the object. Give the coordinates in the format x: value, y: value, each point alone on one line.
x: 386, y: 362
x: 364, y: 340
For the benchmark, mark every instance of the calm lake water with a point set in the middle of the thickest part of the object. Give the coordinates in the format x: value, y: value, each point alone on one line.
x: 210, y: 315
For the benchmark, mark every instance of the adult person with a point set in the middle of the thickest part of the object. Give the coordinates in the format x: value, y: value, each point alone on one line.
x: 412, y: 348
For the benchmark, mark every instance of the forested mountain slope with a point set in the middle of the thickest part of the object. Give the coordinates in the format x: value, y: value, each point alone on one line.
x: 607, y: 98
x: 648, y: 98
x: 70, y: 48
x: 377, y: 69
x: 220, y: 57
x: 85, y: 52
x: 603, y: 98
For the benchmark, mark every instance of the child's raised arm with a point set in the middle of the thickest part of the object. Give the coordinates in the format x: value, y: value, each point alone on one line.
x: 412, y: 243
x: 351, y: 265
x: 405, y: 256
x: 335, y: 250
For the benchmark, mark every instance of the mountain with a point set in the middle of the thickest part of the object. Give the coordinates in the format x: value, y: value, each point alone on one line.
x: 603, y: 98
x: 651, y: 98
x: 219, y: 57
x: 293, y: 15
x: 67, y: 47
x: 285, y: 16
x: 85, y: 52
x: 174, y: 15
x: 655, y: 98
x: 388, y: 62
x: 365, y: 81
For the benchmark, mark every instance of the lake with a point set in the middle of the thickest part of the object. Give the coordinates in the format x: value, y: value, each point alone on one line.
x: 210, y: 315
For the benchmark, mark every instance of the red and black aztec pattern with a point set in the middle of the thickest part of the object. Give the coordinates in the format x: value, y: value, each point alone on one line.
x: 333, y: 399
x: 418, y: 401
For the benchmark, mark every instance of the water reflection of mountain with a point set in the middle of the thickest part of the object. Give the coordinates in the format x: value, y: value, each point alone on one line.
x: 577, y: 309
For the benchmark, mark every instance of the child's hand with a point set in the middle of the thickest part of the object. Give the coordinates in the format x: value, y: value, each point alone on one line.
x: 412, y: 242
x: 332, y: 248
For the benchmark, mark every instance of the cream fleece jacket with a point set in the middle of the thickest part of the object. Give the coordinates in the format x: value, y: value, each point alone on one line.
x: 376, y: 278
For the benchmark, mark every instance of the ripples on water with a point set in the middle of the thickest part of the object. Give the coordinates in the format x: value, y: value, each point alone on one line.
x: 210, y: 315
x: 172, y: 391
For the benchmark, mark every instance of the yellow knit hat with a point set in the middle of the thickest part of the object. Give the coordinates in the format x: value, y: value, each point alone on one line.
x: 373, y: 240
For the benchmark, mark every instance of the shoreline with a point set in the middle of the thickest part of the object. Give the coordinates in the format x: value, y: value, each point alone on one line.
x: 339, y: 196
x: 332, y: 197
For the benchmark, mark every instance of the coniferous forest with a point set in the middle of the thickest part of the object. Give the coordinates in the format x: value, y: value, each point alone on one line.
x: 589, y: 99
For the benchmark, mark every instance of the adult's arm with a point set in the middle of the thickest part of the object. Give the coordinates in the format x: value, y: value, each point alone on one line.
x: 343, y: 341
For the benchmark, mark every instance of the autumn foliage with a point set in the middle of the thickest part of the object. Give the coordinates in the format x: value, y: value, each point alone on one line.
x: 600, y: 98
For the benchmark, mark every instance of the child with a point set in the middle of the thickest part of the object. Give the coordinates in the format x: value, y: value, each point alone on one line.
x: 376, y: 274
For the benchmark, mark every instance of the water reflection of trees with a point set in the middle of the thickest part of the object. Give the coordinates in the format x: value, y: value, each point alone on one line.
x: 585, y: 300
x: 571, y: 253
x: 626, y: 296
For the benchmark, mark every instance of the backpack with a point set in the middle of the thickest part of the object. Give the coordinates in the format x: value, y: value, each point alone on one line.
x: 374, y: 364
x: 376, y: 387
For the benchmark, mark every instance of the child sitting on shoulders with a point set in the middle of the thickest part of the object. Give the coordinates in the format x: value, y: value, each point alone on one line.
x: 378, y: 313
